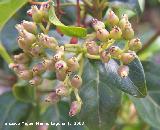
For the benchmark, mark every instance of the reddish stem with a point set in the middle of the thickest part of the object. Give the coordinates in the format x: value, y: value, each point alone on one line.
x: 78, y: 13
x: 59, y: 11
x: 38, y: 3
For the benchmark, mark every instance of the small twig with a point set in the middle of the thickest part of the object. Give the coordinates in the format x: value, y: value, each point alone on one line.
x: 149, y: 42
x: 59, y: 11
x: 78, y: 13
x: 38, y: 3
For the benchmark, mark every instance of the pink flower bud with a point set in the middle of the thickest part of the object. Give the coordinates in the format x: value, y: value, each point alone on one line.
x: 37, y: 80
x: 102, y: 34
x: 61, y: 66
x: 97, y: 24
x: 112, y: 18
x: 75, y: 108
x: 29, y: 26
x: 25, y: 74
x: 52, y: 97
x: 123, y: 71
x: 21, y: 58
x: 62, y: 90
x: 48, y: 42
x: 38, y: 69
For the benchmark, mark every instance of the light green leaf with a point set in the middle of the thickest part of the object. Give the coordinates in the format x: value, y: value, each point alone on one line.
x: 101, y: 100
x: 67, y: 30
x: 8, y: 8
x: 23, y: 92
x: 141, y: 4
x: 12, y: 111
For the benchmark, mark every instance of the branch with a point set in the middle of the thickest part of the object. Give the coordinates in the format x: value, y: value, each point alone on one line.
x: 149, y: 42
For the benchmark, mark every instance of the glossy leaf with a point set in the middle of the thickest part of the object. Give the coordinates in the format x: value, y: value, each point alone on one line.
x: 12, y: 111
x: 101, y: 100
x: 67, y: 30
x: 149, y: 107
x: 134, y: 84
x: 23, y: 92
x: 8, y: 8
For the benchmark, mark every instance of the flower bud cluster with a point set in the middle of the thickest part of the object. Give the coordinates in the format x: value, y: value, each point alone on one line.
x: 34, y: 41
x: 117, y: 29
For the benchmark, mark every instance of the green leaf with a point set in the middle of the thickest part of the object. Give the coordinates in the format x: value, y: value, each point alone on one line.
x: 4, y: 54
x: 141, y: 4
x: 67, y: 30
x: 8, y: 8
x: 23, y: 92
x: 58, y: 113
x: 149, y: 107
x: 101, y: 100
x: 12, y: 111
x: 134, y: 84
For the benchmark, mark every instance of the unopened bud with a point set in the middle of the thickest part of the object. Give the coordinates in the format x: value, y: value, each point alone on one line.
x: 49, y: 64
x: 38, y: 69
x: 127, y: 58
x: 92, y: 47
x: 76, y: 81
x: 73, y: 64
x: 102, y: 34
x: 61, y: 75
x: 46, y: 41
x: 105, y: 56
x: 135, y: 44
x: 28, y: 37
x: 44, y: 10
x: 123, y: 71
x: 36, y: 50
x: 37, y: 80
x: 21, y: 58
x: 36, y: 14
x: 97, y: 24
x: 58, y: 56
x: 112, y: 18
x: 23, y: 43
x: 115, y: 33
x: 29, y: 26
x: 61, y: 66
x: 17, y: 67
x: 75, y: 108
x: 25, y: 74
x: 115, y: 51
x: 62, y: 90
x: 128, y: 32
x: 123, y: 21
x: 53, y: 98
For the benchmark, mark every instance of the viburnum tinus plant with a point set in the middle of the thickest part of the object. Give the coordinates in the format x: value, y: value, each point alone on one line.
x: 90, y: 67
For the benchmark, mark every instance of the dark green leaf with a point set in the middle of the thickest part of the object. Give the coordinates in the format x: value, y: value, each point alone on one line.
x: 101, y: 100
x: 23, y: 92
x: 8, y: 8
x: 67, y: 30
x: 12, y: 111
x: 59, y: 114
x: 134, y: 84
x: 149, y: 107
